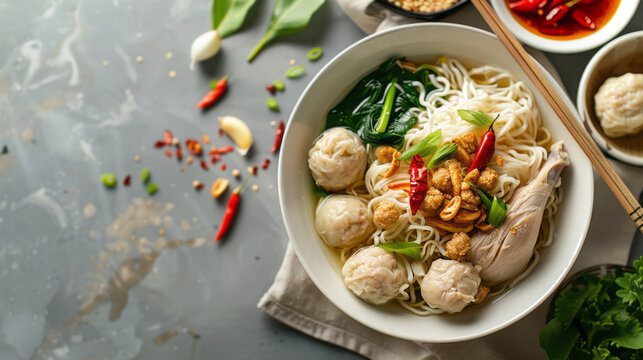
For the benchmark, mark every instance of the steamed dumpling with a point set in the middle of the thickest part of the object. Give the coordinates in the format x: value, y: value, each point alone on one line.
x: 374, y: 275
x: 619, y: 105
x: 342, y: 221
x: 450, y: 285
x: 337, y: 159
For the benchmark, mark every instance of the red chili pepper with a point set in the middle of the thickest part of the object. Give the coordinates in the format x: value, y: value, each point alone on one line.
x: 527, y: 6
x: 225, y: 149
x: 230, y: 211
x: 168, y: 137
x: 168, y: 153
x: 278, y: 137
x: 581, y: 17
x: 215, y: 158
x: 555, y: 14
x: 127, y: 180
x: 214, y: 94
x: 419, y: 183
x: 553, y: 4
x: 194, y: 147
x: 555, y: 30
x: 271, y: 88
x: 254, y: 170
x: 220, y: 132
x: 224, y: 166
x: 179, y: 156
x: 265, y: 164
x: 159, y: 144
x: 204, y: 165
x: 485, y: 150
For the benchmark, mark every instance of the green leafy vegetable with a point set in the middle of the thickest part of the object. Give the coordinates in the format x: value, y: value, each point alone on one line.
x: 444, y: 153
x: 497, y: 208
x: 361, y: 108
x: 228, y: 15
x: 475, y: 117
x: 295, y: 72
x: 597, y: 318
x: 425, y: 147
x: 381, y: 124
x: 288, y: 17
x: 409, y: 249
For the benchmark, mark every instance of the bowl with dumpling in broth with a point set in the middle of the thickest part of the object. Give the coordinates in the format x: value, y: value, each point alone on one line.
x: 421, y: 186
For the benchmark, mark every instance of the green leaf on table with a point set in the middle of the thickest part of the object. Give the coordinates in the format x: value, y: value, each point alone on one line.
x: 228, y: 15
x: 288, y: 17
x: 412, y: 250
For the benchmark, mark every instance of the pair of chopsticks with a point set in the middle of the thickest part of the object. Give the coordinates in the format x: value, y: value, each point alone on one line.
x: 595, y: 155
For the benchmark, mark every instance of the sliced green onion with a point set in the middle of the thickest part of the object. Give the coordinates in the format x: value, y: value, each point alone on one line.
x: 152, y: 188
x: 145, y: 175
x: 486, y: 198
x: 412, y: 250
x: 425, y: 147
x: 108, y: 179
x: 380, y: 127
x: 497, y: 213
x: 444, y: 153
x: 315, y: 53
x: 428, y: 67
x: 295, y: 72
x: 475, y: 117
x: 279, y: 85
x: 272, y: 104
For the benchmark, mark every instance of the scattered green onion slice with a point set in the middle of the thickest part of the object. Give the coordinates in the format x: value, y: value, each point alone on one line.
x: 409, y: 249
x: 497, y: 213
x: 475, y: 117
x: 486, y: 198
x: 425, y: 147
x: 279, y: 85
x: 315, y: 53
x: 145, y: 175
x: 272, y: 104
x: 381, y: 124
x: 444, y: 153
x: 108, y: 179
x: 428, y: 67
x: 152, y: 188
x: 295, y: 72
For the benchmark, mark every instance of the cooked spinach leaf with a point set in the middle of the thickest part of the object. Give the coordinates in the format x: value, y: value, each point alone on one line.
x: 360, y: 110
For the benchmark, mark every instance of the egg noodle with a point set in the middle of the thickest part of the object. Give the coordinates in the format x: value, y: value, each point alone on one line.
x: 521, y: 141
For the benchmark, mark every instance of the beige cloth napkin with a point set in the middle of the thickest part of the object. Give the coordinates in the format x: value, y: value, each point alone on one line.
x: 294, y: 299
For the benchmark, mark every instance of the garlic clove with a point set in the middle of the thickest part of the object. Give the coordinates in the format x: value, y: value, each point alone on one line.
x: 238, y: 131
x: 205, y: 46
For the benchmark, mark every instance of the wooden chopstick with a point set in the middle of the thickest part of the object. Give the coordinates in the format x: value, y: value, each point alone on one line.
x: 603, y: 167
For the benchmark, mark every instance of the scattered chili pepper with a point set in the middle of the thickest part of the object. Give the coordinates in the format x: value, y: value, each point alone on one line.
x: 525, y: 6
x: 555, y: 30
x: 418, y: 184
x: 167, y: 137
x: 223, y: 167
x: 221, y: 150
x: 254, y: 170
x: 214, y: 94
x: 190, y: 159
x: 198, y: 185
x: 179, y: 156
x: 278, y: 137
x: 265, y: 164
x: 194, y: 147
x: 206, y: 139
x: 220, y: 132
x: 127, y: 180
x: 230, y: 211
x: 553, y: 4
x: 204, y: 165
x: 485, y: 150
x: 168, y: 153
x: 271, y: 88
x: 215, y: 158
x: 159, y: 144
x: 555, y: 14
x: 581, y: 17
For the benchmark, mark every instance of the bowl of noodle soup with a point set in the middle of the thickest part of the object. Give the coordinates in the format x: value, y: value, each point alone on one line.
x: 475, y: 71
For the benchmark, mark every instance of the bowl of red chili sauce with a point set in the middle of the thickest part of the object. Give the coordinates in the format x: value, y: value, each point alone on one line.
x: 565, y: 26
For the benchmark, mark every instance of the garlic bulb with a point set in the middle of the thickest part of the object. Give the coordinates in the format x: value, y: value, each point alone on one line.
x: 205, y: 46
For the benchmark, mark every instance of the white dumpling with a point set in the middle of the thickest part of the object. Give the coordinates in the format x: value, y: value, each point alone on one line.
x: 337, y: 159
x: 342, y: 221
x: 450, y: 285
x: 374, y: 275
x: 619, y: 105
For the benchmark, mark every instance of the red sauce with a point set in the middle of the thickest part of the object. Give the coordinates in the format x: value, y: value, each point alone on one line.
x: 599, y: 11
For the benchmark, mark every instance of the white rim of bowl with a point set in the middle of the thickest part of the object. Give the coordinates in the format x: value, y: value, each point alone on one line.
x: 620, y: 19
x: 584, y: 226
x: 582, y: 105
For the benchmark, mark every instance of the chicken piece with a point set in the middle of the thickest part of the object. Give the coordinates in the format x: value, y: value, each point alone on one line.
x: 450, y: 285
x: 441, y: 179
x: 455, y: 170
x: 470, y: 197
x: 385, y: 213
x: 385, y: 154
x: 482, y: 293
x: 432, y: 202
x: 504, y: 252
x: 473, y: 176
x: 458, y: 247
x: 488, y: 179
x: 463, y: 157
x: 467, y: 142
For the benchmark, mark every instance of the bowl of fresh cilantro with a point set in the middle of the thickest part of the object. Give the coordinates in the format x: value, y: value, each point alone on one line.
x: 597, y: 314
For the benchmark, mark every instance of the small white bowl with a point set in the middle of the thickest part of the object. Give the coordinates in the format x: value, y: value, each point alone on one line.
x: 330, y: 85
x: 620, y: 56
x: 619, y: 20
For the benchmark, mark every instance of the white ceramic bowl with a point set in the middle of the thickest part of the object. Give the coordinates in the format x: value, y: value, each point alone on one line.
x: 620, y: 56
x: 330, y: 85
x: 621, y: 18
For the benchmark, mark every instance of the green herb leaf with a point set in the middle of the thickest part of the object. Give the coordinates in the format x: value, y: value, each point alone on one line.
x: 444, y: 153
x: 487, y: 199
x: 497, y: 212
x: 409, y: 249
x: 558, y: 340
x: 475, y: 117
x: 425, y: 147
x: 381, y: 124
x: 288, y: 17
x: 295, y: 72
x: 228, y: 15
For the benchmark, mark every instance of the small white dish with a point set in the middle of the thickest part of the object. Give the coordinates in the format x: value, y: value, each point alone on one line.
x: 616, y: 24
x: 620, y: 56
x: 329, y: 86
